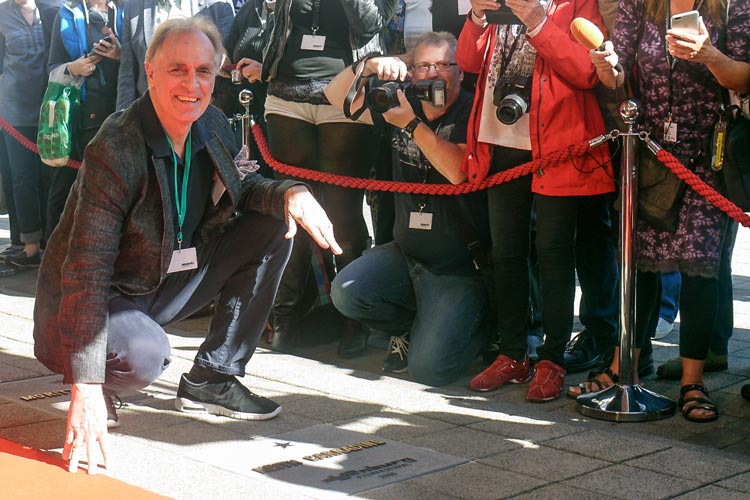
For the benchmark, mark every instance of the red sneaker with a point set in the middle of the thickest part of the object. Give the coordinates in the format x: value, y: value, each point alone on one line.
x: 504, y: 370
x: 547, y: 384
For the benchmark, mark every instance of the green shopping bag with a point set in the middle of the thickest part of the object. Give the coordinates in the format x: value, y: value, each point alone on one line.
x: 58, y: 117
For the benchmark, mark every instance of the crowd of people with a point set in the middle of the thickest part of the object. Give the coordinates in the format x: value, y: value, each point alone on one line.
x: 163, y: 220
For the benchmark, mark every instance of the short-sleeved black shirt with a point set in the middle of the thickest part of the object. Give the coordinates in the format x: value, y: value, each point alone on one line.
x: 443, y: 249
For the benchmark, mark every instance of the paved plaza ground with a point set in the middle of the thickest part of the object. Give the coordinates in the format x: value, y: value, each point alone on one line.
x: 481, y: 446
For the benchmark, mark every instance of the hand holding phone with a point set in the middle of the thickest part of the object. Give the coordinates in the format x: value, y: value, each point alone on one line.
x: 93, y: 52
x: 686, y: 22
x: 687, y: 38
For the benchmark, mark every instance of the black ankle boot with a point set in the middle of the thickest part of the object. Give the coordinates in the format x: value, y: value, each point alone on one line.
x: 353, y: 342
x: 285, y: 337
x: 354, y: 335
x: 288, y: 305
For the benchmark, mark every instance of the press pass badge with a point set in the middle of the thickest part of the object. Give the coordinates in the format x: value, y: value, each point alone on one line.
x: 670, y: 131
x: 184, y: 259
x: 420, y: 220
x: 717, y: 145
x: 313, y: 42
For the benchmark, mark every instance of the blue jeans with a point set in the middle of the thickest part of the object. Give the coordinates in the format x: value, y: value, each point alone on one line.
x: 30, y: 180
x: 241, y: 268
x: 388, y: 291
x: 670, y: 296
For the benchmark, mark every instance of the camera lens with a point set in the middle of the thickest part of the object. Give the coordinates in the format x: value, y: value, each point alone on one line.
x: 381, y: 99
x: 511, y: 108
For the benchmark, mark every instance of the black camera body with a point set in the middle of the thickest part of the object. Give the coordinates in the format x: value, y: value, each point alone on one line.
x: 383, y: 97
x: 515, y: 95
x: 503, y: 15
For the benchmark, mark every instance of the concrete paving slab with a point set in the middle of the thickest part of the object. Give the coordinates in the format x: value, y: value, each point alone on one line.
x: 564, y: 492
x: 528, y: 429
x: 393, y: 424
x: 725, y: 432
x: 741, y: 447
x: 740, y: 482
x: 406, y: 489
x: 608, y: 446
x: 714, y: 493
x: 13, y: 415
x: 690, y: 464
x: 465, y: 442
x: 544, y: 463
x: 45, y: 435
x: 328, y: 407
x: 633, y: 483
x: 475, y: 481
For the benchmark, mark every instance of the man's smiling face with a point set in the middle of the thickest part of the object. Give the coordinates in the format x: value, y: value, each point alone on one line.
x: 181, y: 79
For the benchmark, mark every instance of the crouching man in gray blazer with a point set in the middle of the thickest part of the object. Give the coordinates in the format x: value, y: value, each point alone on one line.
x: 159, y: 222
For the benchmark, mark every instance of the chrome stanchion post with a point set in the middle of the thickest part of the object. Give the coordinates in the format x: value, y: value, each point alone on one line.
x: 246, y: 99
x: 624, y: 401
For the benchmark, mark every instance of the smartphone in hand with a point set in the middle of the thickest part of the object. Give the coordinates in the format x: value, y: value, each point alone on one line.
x: 687, y: 22
x: 501, y: 16
x: 93, y: 51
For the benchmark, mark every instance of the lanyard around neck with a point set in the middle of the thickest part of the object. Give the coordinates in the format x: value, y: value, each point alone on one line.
x: 180, y: 196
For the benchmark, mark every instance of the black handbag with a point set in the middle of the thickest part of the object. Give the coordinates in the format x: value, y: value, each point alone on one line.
x: 660, y: 193
x: 732, y: 165
x: 733, y: 177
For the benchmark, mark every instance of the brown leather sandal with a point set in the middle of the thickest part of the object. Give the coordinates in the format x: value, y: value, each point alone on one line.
x: 594, y: 384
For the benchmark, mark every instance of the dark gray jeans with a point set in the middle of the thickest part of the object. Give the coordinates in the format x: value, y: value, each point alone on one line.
x: 241, y: 269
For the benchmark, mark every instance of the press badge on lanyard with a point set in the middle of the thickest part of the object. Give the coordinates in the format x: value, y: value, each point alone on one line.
x: 420, y: 220
x: 314, y: 41
x: 670, y: 130
x: 183, y: 259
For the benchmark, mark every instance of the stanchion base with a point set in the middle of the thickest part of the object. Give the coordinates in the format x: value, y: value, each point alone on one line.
x: 626, y: 403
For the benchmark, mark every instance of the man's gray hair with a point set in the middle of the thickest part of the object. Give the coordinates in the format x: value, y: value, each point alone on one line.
x: 436, y: 39
x: 183, y: 25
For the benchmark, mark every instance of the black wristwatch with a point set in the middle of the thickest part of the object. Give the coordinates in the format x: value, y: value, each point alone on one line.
x: 411, y: 127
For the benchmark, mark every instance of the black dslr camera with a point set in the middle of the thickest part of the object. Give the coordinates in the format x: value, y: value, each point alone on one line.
x: 503, y: 15
x: 513, y: 96
x: 383, y: 97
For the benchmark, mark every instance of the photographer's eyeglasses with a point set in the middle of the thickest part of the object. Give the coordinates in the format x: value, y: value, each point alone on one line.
x: 440, y: 67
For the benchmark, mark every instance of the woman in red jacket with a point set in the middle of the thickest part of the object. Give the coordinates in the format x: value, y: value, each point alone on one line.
x: 533, y: 97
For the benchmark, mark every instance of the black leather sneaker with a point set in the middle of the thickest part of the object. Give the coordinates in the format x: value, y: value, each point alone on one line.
x: 10, y: 250
x: 228, y: 398
x: 23, y: 261
x: 397, y: 360
x: 113, y: 403
x: 582, y: 353
x: 645, y: 364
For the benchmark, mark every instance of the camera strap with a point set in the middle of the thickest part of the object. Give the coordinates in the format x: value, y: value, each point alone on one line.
x: 507, y: 58
x: 357, y: 84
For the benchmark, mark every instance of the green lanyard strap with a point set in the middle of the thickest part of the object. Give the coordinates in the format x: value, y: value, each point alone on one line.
x: 180, y: 196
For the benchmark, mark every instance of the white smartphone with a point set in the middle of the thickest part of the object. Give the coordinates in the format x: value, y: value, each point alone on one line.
x: 687, y: 22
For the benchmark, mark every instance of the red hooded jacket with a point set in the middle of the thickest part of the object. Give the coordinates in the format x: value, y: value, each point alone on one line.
x: 564, y: 110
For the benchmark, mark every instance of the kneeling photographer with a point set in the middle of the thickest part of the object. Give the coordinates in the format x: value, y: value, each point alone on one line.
x: 534, y: 97
x: 422, y: 288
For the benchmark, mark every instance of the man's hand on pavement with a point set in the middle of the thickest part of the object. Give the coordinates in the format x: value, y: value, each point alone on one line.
x: 87, y: 427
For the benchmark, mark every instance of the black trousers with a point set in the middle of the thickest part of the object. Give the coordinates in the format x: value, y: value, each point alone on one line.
x: 242, y: 267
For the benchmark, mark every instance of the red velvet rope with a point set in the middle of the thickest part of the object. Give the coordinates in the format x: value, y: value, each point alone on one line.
x: 703, y: 189
x: 18, y: 136
x: 415, y: 187
x: 572, y: 151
